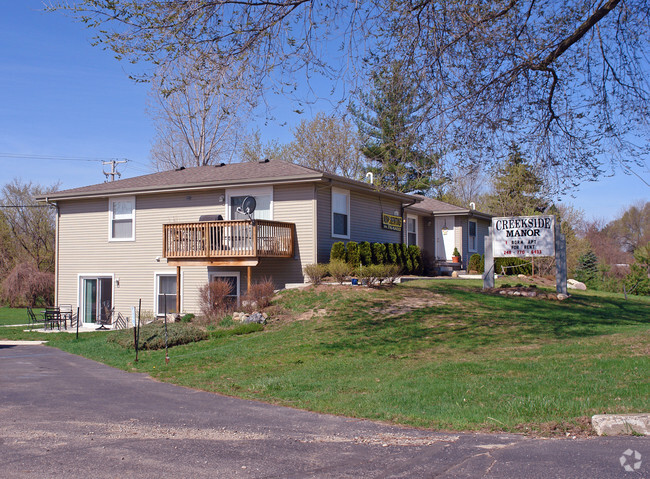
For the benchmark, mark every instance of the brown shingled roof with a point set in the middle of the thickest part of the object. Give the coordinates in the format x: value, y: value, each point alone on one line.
x: 273, y: 171
x: 430, y: 205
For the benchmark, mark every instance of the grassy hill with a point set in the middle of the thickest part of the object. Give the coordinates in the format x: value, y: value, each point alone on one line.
x: 437, y: 354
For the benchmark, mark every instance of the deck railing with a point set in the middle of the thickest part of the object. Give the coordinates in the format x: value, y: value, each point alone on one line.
x: 228, y: 239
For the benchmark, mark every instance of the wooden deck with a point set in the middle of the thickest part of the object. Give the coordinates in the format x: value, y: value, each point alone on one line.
x: 213, y: 241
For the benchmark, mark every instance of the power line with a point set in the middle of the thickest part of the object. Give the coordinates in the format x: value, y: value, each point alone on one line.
x: 22, y: 156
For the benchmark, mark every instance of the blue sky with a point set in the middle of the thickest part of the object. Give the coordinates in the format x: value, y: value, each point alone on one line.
x: 62, y: 97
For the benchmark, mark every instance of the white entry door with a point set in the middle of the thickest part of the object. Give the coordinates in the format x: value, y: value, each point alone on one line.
x: 445, y: 237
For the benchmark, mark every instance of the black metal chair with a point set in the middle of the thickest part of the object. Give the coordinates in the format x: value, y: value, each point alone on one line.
x: 32, y: 317
x: 105, y: 316
x: 52, y: 315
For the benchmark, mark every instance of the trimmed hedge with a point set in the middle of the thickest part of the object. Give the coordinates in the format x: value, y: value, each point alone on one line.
x: 367, y: 254
x: 338, y: 251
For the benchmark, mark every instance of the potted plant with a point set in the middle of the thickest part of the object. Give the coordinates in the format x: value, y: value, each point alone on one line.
x: 455, y: 256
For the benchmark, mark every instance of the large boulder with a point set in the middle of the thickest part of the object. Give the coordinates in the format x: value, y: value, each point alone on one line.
x: 574, y: 284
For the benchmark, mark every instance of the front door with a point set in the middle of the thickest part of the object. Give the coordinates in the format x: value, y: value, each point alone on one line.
x: 445, y: 237
x: 96, y: 298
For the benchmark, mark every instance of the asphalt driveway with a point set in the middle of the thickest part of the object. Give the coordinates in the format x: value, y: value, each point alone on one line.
x: 66, y: 416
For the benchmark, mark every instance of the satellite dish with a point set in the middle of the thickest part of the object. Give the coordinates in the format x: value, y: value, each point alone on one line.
x: 248, y: 205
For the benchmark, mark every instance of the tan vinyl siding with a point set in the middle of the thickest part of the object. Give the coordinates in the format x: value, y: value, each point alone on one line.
x: 365, y: 220
x: 293, y: 204
x: 84, y: 247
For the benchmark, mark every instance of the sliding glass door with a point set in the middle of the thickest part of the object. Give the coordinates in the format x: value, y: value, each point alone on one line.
x: 96, y: 297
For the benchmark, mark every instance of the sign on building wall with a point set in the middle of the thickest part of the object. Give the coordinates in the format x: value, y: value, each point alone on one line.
x: 523, y: 236
x: 391, y: 222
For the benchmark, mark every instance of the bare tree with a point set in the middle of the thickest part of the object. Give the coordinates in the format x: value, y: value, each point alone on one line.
x: 328, y: 143
x: 566, y: 80
x: 197, y: 115
x: 252, y: 149
x: 30, y: 227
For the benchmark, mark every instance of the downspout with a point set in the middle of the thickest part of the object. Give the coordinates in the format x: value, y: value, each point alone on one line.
x: 56, y: 250
x: 404, y: 206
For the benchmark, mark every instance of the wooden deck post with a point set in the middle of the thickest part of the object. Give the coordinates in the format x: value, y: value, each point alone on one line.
x: 248, y: 282
x: 178, y: 290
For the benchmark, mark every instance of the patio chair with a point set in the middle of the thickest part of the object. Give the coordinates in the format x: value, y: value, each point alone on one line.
x: 66, y: 314
x: 52, y: 315
x: 106, y: 316
x: 32, y: 317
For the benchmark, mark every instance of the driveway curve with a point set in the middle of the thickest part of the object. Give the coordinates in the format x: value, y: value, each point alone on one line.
x: 65, y: 416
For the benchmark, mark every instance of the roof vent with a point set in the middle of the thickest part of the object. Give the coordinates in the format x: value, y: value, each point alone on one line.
x: 265, y: 160
x: 180, y: 169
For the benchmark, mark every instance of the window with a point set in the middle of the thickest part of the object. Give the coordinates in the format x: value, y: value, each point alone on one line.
x: 121, y: 219
x: 165, y: 294
x: 472, y: 235
x: 411, y: 230
x: 340, y: 213
x: 231, y: 277
x: 263, y: 199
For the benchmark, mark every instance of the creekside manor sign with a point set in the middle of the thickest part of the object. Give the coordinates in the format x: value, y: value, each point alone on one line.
x: 523, y: 236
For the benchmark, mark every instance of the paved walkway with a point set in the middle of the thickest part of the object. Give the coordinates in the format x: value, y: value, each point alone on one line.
x: 65, y: 416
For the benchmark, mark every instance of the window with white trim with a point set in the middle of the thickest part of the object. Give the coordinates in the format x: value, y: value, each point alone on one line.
x: 472, y: 235
x: 411, y: 230
x: 340, y: 213
x: 165, y: 294
x: 121, y: 219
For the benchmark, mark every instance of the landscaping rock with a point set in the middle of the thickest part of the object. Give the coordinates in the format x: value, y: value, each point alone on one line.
x: 621, y: 424
x: 574, y: 284
x: 562, y: 297
x: 254, y: 318
x: 454, y: 274
x: 522, y: 276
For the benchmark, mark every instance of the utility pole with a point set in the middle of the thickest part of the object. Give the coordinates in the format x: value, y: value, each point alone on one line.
x: 113, y: 171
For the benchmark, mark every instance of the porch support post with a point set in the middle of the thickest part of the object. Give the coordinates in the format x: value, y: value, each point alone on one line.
x: 178, y: 290
x: 248, y: 280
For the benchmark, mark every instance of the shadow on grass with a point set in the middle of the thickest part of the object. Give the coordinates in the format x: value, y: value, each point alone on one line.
x: 473, y: 319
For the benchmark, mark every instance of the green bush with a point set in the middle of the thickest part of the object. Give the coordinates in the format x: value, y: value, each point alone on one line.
x: 152, y: 335
x: 378, y: 253
x: 315, y: 272
x: 339, y: 270
x: 353, y: 254
x: 512, y: 266
x: 187, y: 318
x: 404, y: 255
x: 391, y: 254
x: 237, y: 330
x: 416, y: 258
x: 338, y: 251
x: 365, y: 253
x: 475, y: 263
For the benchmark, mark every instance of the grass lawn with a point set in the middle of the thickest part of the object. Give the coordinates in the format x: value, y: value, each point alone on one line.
x: 437, y: 354
x: 13, y: 315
